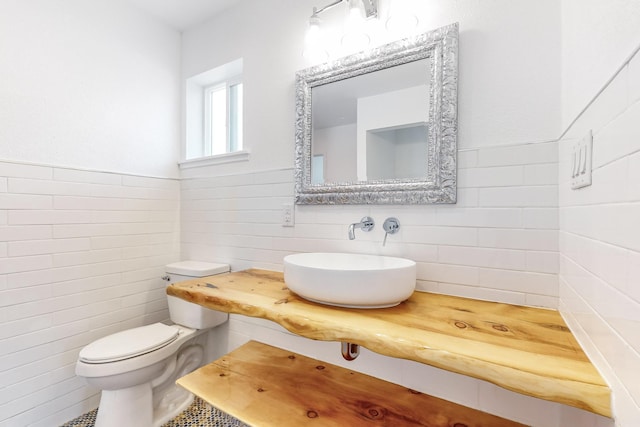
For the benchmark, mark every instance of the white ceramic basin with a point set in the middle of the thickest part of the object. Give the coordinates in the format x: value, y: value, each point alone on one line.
x: 350, y: 280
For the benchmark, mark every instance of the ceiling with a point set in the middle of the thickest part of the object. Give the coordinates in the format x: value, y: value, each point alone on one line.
x: 183, y: 14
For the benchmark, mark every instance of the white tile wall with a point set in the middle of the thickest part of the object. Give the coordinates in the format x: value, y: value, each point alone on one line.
x: 504, y: 226
x: 81, y: 255
x: 500, y: 242
x: 600, y: 241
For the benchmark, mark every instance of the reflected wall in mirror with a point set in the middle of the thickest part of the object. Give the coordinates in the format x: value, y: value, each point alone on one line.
x: 380, y: 127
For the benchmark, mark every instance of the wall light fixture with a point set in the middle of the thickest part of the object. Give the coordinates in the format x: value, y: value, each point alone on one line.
x: 355, y: 33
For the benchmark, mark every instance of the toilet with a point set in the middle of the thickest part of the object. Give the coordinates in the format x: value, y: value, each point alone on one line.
x: 136, y: 369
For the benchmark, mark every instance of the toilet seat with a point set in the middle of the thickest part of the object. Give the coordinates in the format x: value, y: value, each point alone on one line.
x: 128, y: 344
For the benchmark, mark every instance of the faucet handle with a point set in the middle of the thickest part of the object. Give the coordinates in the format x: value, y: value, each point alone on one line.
x: 367, y: 223
x: 391, y: 226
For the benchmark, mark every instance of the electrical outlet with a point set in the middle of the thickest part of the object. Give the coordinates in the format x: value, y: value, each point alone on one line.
x: 288, y: 215
x: 581, y: 159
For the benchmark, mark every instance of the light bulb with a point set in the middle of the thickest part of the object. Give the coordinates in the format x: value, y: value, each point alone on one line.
x: 314, y: 49
x: 355, y: 17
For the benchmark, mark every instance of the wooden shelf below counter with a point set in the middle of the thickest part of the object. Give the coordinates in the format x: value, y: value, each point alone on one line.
x: 524, y: 349
x: 262, y: 385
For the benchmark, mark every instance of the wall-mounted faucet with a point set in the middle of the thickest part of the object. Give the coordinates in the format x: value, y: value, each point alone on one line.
x: 366, y: 224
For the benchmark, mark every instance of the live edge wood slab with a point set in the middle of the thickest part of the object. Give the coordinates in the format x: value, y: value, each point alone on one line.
x: 263, y: 385
x: 523, y: 349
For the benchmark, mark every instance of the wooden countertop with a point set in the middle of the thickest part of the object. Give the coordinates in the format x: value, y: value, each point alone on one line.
x: 523, y: 349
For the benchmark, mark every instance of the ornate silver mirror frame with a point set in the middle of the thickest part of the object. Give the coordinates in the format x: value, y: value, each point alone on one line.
x: 439, y: 184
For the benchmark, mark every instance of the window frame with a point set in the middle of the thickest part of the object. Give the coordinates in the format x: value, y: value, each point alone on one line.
x: 208, y: 143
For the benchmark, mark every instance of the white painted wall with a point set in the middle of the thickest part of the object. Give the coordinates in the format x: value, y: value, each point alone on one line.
x: 599, y: 228
x: 93, y: 85
x: 89, y: 108
x: 509, y: 86
x: 597, y: 38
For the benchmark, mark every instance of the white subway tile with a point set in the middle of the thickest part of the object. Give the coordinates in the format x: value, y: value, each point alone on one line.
x: 634, y: 79
x: 275, y: 176
x: 459, y: 274
x: 543, y: 218
x: 467, y: 197
x: 3, y: 185
x: 456, y: 236
x: 482, y: 293
x: 537, y: 240
x: 541, y: 174
x: 12, y: 296
x: 79, y: 286
x: 88, y: 177
x: 145, y: 182
x: 71, y: 231
x: 519, y: 281
x: 482, y: 257
x: 632, y: 285
x: 503, y: 176
x: 85, y: 311
x: 633, y: 178
x: 4, y: 251
x: 467, y: 159
x: 530, y: 196
x: 25, y: 232
x: 27, y: 263
x: 543, y: 301
x: 542, y: 262
x: 25, y: 171
x: 25, y: 201
x: 86, y: 257
x: 479, y: 217
x: 45, y: 216
x: 24, y: 326
x: 525, y: 154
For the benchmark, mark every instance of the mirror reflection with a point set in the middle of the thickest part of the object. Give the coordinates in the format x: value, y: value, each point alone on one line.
x: 372, y: 127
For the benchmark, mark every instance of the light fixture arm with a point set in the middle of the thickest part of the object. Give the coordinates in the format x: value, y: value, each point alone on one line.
x: 317, y: 11
x: 370, y: 8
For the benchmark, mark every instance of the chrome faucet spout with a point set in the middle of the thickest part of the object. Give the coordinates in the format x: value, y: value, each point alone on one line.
x: 366, y: 224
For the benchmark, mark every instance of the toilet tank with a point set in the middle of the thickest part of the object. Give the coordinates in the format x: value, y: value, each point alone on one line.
x: 186, y: 313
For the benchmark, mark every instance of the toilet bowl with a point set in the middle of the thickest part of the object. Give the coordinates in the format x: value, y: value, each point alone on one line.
x: 136, y: 369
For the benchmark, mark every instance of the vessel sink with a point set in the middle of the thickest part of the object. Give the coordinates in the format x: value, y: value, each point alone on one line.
x: 350, y: 280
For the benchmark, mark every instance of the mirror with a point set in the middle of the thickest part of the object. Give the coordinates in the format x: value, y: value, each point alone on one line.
x: 380, y: 127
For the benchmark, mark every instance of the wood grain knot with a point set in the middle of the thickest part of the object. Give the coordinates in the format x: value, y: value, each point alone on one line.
x: 500, y: 328
x: 282, y: 301
x: 414, y: 391
x: 312, y: 414
x: 260, y: 390
x: 461, y: 325
x: 292, y: 357
x: 223, y: 375
x: 375, y: 413
x: 319, y: 367
x: 459, y: 425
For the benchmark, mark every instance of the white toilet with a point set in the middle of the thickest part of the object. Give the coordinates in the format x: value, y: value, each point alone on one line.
x: 136, y: 369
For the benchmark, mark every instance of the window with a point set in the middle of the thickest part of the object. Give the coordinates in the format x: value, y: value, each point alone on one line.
x: 214, y: 117
x: 223, y: 118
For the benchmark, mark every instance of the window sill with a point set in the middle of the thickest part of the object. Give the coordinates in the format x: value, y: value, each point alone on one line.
x: 218, y: 159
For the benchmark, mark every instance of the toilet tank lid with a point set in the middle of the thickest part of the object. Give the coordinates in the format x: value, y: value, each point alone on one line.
x: 196, y: 268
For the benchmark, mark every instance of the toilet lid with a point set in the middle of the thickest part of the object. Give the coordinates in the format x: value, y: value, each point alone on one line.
x: 129, y: 343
